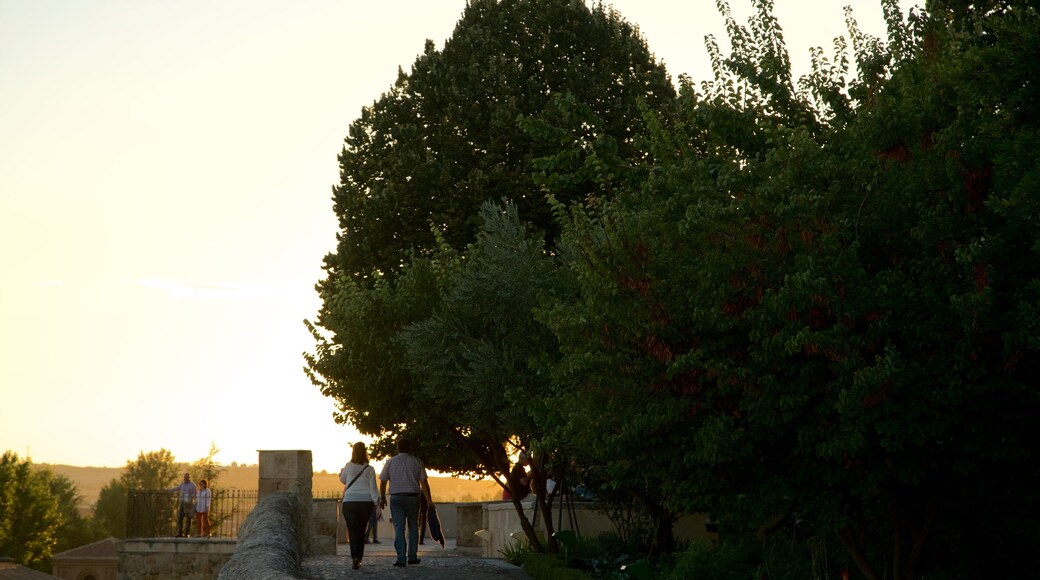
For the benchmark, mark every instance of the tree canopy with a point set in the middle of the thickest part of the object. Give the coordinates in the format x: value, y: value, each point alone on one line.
x: 30, y: 516
x: 445, y: 138
x: 813, y: 303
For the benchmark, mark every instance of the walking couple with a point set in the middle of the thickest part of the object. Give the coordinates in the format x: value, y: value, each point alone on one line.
x: 406, y: 478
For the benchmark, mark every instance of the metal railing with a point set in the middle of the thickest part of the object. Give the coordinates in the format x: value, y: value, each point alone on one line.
x: 153, y: 513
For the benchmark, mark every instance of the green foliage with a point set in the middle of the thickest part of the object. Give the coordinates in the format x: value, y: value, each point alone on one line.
x: 207, y: 468
x: 30, y: 516
x: 154, y: 470
x: 416, y: 322
x: 770, y: 304
x: 444, y: 139
x: 75, y: 530
x: 551, y: 567
x: 517, y: 552
x: 796, y: 315
x: 740, y: 559
x: 111, y: 507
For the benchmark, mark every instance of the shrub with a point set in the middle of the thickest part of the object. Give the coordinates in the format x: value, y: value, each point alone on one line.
x: 551, y: 567
x: 741, y: 559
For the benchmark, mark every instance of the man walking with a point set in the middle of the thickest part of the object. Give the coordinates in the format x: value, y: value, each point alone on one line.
x: 406, y: 477
x: 186, y: 493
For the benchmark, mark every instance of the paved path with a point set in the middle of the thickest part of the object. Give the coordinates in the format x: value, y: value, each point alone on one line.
x: 448, y: 563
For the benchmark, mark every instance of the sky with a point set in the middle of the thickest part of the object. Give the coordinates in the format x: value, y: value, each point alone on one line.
x: 166, y: 171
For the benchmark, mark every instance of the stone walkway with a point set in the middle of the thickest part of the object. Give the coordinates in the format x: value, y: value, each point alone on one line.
x: 448, y: 563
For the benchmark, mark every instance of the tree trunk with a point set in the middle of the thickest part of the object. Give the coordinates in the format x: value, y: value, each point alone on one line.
x: 855, y: 550
x: 920, y: 538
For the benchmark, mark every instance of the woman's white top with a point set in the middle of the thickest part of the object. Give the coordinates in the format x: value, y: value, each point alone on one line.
x: 202, y: 503
x: 364, y: 489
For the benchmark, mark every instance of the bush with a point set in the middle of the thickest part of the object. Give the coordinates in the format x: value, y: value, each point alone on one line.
x: 551, y: 567
x: 517, y: 552
x: 741, y: 559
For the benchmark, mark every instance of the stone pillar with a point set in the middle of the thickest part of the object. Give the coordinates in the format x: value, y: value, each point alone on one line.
x: 291, y: 472
x: 326, y: 526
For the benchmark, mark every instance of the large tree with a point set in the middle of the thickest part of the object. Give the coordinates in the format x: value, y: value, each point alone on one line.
x: 415, y: 169
x: 832, y: 324
x: 445, y: 138
x: 151, y: 471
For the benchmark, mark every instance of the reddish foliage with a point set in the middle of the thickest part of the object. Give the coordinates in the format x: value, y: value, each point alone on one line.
x: 1013, y: 360
x: 819, y: 317
x: 641, y: 256
x: 898, y: 152
x: 658, y: 348
x: 640, y: 285
x: 756, y: 241
x: 944, y: 251
x: 782, y: 243
x: 981, y: 277
x: 660, y: 316
x: 871, y: 401
x: 976, y: 183
x: 834, y: 355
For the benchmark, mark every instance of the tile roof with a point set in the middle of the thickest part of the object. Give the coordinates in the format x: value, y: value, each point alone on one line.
x: 101, y: 549
x: 9, y: 571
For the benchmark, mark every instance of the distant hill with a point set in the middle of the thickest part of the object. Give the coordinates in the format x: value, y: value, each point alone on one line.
x: 90, y: 480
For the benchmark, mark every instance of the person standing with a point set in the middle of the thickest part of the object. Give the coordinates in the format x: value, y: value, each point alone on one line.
x: 424, y: 508
x: 519, y: 479
x: 359, y: 499
x: 186, y: 493
x: 202, y: 509
x: 373, y: 525
x: 406, y: 477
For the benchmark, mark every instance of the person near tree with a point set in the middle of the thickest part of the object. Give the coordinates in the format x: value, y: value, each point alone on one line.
x: 359, y: 499
x: 519, y: 479
x: 406, y: 478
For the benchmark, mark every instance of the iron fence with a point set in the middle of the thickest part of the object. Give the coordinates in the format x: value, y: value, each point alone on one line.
x: 153, y: 513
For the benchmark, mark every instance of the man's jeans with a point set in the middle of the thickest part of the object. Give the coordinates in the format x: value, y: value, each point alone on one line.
x: 405, y: 507
x: 185, y: 513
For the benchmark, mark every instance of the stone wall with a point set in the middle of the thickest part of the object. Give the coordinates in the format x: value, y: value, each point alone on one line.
x: 470, y: 517
x: 173, y: 558
x: 269, y: 544
x: 502, y: 524
x: 325, y: 515
x: 289, y: 472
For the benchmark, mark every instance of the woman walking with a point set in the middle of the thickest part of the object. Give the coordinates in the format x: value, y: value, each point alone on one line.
x: 359, y: 499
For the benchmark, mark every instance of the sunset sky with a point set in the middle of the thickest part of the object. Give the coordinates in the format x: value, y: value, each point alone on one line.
x: 165, y: 204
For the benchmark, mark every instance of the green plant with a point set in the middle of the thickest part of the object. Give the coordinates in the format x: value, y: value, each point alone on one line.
x: 517, y: 552
x: 551, y: 567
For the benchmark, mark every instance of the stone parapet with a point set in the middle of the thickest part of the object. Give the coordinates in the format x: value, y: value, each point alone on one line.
x: 269, y: 543
x: 173, y: 558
